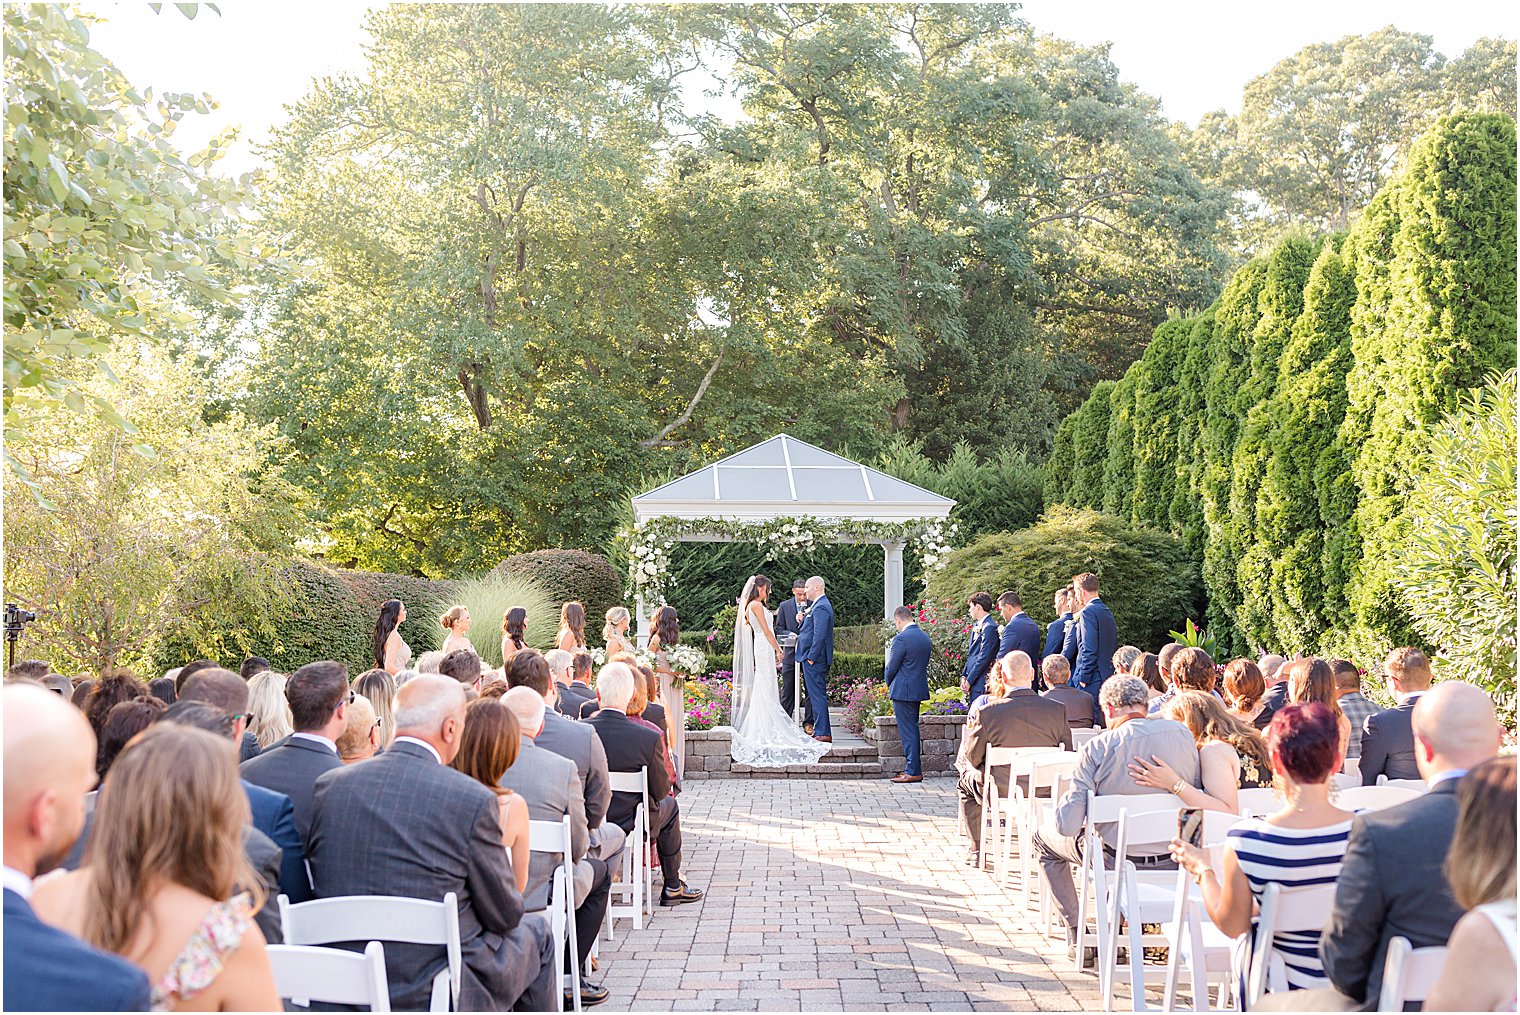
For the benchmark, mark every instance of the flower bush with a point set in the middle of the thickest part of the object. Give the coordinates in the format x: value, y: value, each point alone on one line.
x: 709, y: 701
x: 948, y: 626
x: 945, y: 701
x: 863, y: 703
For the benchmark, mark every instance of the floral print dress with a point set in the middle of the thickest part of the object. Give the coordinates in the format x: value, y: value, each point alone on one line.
x: 200, y: 962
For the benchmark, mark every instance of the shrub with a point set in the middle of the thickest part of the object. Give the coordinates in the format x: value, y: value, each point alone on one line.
x: 864, y: 702
x: 1147, y: 578
x: 570, y: 574
x: 490, y: 597
x: 709, y: 701
x: 946, y: 701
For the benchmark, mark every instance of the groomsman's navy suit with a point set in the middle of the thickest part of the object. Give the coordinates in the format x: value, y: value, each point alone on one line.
x: 1097, y: 641
x: 980, y: 656
x: 1055, y: 636
x: 1069, y: 643
x: 907, y: 678
x: 815, y: 645
x: 1022, y: 634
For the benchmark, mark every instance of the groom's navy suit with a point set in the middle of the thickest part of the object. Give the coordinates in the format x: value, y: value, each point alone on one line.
x: 907, y: 678
x: 815, y: 646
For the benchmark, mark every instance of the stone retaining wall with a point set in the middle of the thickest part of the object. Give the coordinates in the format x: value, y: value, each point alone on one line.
x: 708, y: 754
x: 939, y: 740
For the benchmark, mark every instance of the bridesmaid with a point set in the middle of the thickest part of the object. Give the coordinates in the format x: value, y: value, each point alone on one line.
x: 457, y: 622
x: 391, y: 653
x: 514, y: 633
x: 665, y: 636
x: 572, y: 628
x: 615, y: 632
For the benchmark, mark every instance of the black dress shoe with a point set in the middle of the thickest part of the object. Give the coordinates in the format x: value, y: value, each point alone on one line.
x: 590, y: 994
x: 680, y: 896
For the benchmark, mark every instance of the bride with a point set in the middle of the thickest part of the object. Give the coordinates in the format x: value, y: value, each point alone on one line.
x: 764, y: 735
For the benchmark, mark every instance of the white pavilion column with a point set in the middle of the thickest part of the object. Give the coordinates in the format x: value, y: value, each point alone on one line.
x: 642, y: 638
x: 894, y: 577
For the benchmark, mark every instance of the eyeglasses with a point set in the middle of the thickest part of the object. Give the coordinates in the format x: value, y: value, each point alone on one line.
x: 377, y: 724
x: 234, y: 717
x: 346, y: 701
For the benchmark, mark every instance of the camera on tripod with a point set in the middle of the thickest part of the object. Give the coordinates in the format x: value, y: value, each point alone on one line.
x: 16, y: 620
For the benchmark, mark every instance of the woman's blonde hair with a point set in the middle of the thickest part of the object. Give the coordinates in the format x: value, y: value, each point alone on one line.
x: 356, y: 733
x: 269, y: 712
x: 640, y: 699
x: 380, y: 688
x: 614, y: 616
x: 1207, y: 720
x: 1481, y: 862
x: 449, y: 619
x: 997, y: 684
x: 171, y: 809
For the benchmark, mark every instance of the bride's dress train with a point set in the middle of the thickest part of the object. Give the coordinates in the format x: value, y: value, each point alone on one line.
x: 764, y: 734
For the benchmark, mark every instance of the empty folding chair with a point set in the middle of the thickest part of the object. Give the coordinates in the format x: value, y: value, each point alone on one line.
x: 1137, y: 898
x: 1409, y: 973
x: 1353, y: 766
x: 1418, y: 785
x: 382, y: 918
x: 554, y: 837
x: 1045, y: 773
x: 303, y: 973
x: 1080, y: 737
x: 636, y: 883
x: 1374, y: 798
x: 1284, y: 911
x: 1258, y: 803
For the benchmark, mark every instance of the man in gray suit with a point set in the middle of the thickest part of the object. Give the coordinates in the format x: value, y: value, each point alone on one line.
x: 318, y: 694
x: 550, y: 785
x: 405, y: 824
x: 1103, y: 768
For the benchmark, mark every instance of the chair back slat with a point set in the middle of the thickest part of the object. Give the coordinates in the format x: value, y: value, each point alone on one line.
x: 368, y: 917
x: 1106, y: 807
x: 1374, y: 798
x: 1409, y: 973
x: 629, y: 782
x: 331, y: 975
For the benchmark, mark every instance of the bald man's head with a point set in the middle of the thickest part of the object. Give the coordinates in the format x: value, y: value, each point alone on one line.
x: 1018, y: 669
x: 49, y: 757
x: 430, y: 707
x: 1454, y: 728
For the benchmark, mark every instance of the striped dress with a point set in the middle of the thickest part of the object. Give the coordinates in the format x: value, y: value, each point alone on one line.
x: 1291, y: 857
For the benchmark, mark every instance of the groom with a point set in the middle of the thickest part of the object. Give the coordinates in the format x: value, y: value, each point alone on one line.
x: 815, y: 647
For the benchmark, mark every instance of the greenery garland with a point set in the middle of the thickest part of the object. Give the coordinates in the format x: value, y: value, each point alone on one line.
x: 650, y: 541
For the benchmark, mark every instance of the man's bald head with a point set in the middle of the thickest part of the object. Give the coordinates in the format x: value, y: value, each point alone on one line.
x: 1018, y: 669
x: 1454, y: 728
x: 814, y: 587
x: 528, y: 706
x: 49, y: 757
x: 430, y: 708
x: 221, y: 689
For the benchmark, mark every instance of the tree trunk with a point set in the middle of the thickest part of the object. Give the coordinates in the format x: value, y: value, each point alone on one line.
x: 475, y: 392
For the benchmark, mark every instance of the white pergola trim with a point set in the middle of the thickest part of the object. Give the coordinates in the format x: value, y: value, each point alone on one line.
x: 784, y: 477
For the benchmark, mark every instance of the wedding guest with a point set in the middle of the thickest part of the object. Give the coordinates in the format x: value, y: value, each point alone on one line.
x: 553, y: 790
x: 1272, y: 675
x: 164, y: 900
x: 113, y: 688
x: 252, y: 667
x: 426, y: 663
x: 319, y: 697
x: 907, y: 680
x: 268, y: 711
x: 1022, y: 719
x: 456, y: 621
x: 560, y: 663
x: 1392, y: 884
x: 1302, y: 844
x: 997, y: 686
x: 638, y: 710
x: 630, y: 747
x: 63, y: 686
x: 29, y: 669
x: 228, y: 692
x: 1164, y: 660
x: 1479, y: 974
x: 1078, y: 704
x: 361, y: 736
x: 1243, y: 689
x: 1387, y: 742
x: 494, y: 688
x: 488, y: 747
x: 615, y: 633
x: 81, y: 695
x: 463, y: 666
x: 122, y: 723
x: 1147, y: 666
x: 190, y: 669
x: 45, y: 968
x: 1309, y: 679
x: 573, y: 696
x: 572, y: 627
x: 1097, y: 637
x: 1020, y: 632
x: 1232, y: 756
x: 514, y: 633
x: 981, y: 652
x: 380, y: 688
x: 406, y: 824
x: 1103, y: 766
x: 161, y: 688
x: 1124, y: 658
x: 1055, y: 635
x: 1356, y: 709
x: 1191, y: 670
x: 391, y: 653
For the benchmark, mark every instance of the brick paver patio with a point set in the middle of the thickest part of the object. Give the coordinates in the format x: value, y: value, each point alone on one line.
x: 831, y: 894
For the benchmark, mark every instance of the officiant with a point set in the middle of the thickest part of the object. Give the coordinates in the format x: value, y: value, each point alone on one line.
x: 789, y: 622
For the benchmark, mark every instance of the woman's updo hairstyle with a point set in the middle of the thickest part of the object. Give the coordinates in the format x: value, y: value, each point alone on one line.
x: 449, y: 619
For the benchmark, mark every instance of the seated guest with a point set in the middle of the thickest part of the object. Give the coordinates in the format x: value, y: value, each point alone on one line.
x: 1356, y: 709
x: 560, y: 663
x: 1078, y: 703
x: 190, y: 669
x: 81, y: 695
x: 122, y: 723
x: 579, y: 743
x: 1302, y: 844
x: 1387, y: 741
x: 252, y: 667
x: 268, y: 711
x: 494, y: 688
x: 1232, y: 756
x: 1479, y: 974
x: 406, y: 824
x: 113, y: 688
x: 428, y: 661
x: 29, y: 669
x: 49, y: 759
x: 361, y: 737
x: 60, y: 685
x: 579, y: 691
x: 638, y: 712
x: 1021, y: 719
x: 213, y: 686
x: 1147, y: 666
x: 1309, y: 679
x: 1124, y: 658
x: 1271, y: 667
x: 463, y: 665
x: 318, y: 694
x: 1103, y: 767
x: 1391, y: 884
x: 553, y: 790
x: 488, y: 747
x: 165, y: 900
x: 997, y: 686
x: 1243, y: 690
x: 1191, y: 670
x: 654, y: 712
x: 162, y: 688
x: 631, y: 747
x: 380, y: 688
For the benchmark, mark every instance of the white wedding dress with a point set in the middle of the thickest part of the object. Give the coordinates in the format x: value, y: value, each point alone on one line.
x: 764, y: 734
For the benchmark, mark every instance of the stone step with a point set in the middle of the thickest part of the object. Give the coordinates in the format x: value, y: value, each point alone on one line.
x: 821, y: 770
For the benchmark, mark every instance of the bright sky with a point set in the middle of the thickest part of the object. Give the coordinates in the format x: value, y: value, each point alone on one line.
x: 1194, y: 55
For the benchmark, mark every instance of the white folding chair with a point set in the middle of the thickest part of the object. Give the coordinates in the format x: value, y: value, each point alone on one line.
x: 1344, y: 781
x: 1283, y: 911
x: 1045, y: 774
x: 1137, y: 898
x: 636, y: 884
x: 382, y: 918
x: 1258, y: 803
x: 1353, y: 766
x: 999, y: 818
x: 1374, y: 798
x: 303, y: 974
x: 1409, y: 973
x: 1081, y: 737
x: 1092, y: 898
x: 1192, y: 938
x: 1418, y: 785
x: 554, y: 837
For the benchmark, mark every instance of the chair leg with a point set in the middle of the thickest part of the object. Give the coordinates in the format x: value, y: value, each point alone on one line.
x: 1136, y: 966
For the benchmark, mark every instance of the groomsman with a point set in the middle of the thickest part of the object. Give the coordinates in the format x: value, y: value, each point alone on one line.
x: 1055, y: 636
x: 907, y: 678
x: 789, y: 621
x: 982, y: 652
x: 1097, y: 638
x: 1020, y: 632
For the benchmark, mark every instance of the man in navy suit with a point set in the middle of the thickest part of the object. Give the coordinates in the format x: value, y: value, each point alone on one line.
x: 1020, y: 632
x: 907, y: 678
x: 789, y: 621
x: 49, y: 767
x: 981, y: 653
x: 319, y: 695
x: 815, y: 646
x: 1055, y: 635
x: 1097, y: 638
x: 1069, y: 636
